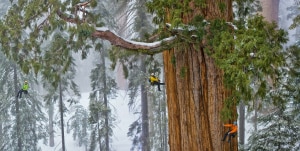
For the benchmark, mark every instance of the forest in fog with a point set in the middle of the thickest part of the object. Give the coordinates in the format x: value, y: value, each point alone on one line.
x: 149, y: 75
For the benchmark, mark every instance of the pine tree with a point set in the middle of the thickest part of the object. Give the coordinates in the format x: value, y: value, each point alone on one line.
x: 280, y: 127
x: 78, y: 124
x: 58, y: 77
x: 293, y: 61
x: 5, y: 117
x: 29, y: 128
x: 103, y: 88
x: 158, y: 121
x: 136, y: 70
x: 279, y: 132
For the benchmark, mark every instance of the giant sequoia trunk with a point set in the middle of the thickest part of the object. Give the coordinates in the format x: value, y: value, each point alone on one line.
x: 195, y: 99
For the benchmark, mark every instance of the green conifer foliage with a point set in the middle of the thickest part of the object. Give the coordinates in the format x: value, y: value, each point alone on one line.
x: 101, y: 117
x: 279, y: 128
x: 14, y: 126
x: 29, y: 27
x: 279, y: 132
x: 79, y: 125
x: 248, y: 50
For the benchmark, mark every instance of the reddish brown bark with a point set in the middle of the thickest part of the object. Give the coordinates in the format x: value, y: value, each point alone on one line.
x: 196, y: 92
x: 194, y: 102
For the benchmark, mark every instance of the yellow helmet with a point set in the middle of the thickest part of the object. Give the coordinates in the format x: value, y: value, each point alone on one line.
x: 25, y: 81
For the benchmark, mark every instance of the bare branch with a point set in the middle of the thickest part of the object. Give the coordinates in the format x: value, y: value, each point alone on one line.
x: 69, y: 19
x: 84, y: 4
x: 81, y: 7
x: 42, y: 24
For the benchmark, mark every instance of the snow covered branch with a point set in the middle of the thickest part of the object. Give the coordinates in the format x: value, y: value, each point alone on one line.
x: 115, y: 39
x: 105, y: 33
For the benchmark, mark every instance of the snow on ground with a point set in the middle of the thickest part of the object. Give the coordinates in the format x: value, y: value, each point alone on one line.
x: 120, y: 141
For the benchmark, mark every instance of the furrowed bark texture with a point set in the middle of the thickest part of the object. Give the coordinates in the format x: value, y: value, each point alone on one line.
x: 196, y: 94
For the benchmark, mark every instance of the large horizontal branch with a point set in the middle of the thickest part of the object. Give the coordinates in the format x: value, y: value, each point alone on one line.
x: 114, y: 39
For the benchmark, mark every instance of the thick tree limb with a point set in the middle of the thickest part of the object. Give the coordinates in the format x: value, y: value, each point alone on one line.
x: 114, y: 39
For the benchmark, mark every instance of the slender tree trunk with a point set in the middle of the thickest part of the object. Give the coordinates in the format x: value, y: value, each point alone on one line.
x: 144, y: 110
x: 105, y: 102
x: 165, y: 125
x: 242, y: 123
x: 61, y: 117
x: 51, y: 130
x: 151, y: 120
x: 163, y: 121
x: 19, y: 139
x: 1, y: 129
x: 255, y: 115
x: 99, y: 137
x: 33, y: 130
x: 196, y: 92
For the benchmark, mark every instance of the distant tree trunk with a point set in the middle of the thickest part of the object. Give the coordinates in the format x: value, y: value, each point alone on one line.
x: 144, y: 111
x: 33, y: 130
x: 18, y: 124
x: 242, y: 123
x: 99, y: 136
x: 51, y: 130
x: 61, y: 109
x: 151, y: 120
x: 255, y: 115
x: 270, y: 9
x: 196, y: 93
x: 122, y: 23
x: 1, y: 129
x: 165, y: 125
x: 106, y: 125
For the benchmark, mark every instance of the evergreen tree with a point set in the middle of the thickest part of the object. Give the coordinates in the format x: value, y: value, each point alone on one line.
x: 101, y: 117
x: 78, y: 124
x: 292, y: 84
x: 244, y: 10
x: 137, y: 68
x: 279, y: 132
x: 6, y: 102
x: 29, y: 128
x: 280, y: 127
x: 158, y: 121
x: 58, y: 78
x: 4, y: 106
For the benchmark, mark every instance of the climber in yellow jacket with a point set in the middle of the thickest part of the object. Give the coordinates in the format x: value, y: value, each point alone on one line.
x: 155, y: 81
x: 24, y: 89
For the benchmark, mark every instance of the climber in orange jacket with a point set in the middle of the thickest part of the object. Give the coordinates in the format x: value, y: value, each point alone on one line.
x: 233, y: 128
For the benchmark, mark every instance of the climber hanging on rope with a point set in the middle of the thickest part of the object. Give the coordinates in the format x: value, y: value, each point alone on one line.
x: 24, y: 89
x: 155, y: 81
x: 233, y: 128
